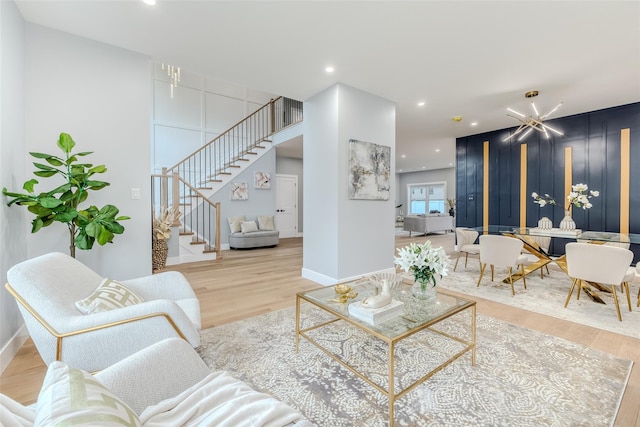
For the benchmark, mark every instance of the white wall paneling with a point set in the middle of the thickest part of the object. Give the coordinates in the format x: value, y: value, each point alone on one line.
x: 222, y: 112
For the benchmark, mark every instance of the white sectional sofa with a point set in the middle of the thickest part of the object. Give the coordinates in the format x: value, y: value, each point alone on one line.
x: 166, y: 384
x: 426, y: 224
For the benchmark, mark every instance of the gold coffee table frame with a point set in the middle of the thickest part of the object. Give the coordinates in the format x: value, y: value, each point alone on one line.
x: 448, y: 306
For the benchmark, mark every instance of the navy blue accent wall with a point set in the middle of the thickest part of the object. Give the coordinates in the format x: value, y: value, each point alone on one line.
x: 595, y: 141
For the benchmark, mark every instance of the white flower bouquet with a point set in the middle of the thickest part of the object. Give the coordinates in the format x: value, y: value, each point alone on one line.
x: 424, y: 261
x: 579, y: 196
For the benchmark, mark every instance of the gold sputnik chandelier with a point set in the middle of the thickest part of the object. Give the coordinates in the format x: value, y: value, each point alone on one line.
x: 533, y: 122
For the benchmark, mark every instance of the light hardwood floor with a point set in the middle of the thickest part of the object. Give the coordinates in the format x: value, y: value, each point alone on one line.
x: 247, y: 283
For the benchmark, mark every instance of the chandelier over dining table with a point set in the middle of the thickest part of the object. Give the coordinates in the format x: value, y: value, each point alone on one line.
x: 533, y: 122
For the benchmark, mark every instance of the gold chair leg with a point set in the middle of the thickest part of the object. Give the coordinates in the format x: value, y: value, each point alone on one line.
x: 524, y: 278
x: 492, y: 272
x: 615, y: 300
x: 466, y: 258
x: 638, y: 297
x: 573, y: 285
x: 482, y: 267
x: 454, y: 267
x: 513, y: 292
x: 579, y: 288
x: 625, y: 285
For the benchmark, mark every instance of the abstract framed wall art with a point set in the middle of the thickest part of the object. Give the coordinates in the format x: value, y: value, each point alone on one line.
x: 239, y: 191
x: 369, y: 171
x: 262, y: 180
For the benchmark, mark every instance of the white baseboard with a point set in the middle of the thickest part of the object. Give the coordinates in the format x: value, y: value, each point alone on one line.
x: 9, y: 351
x: 330, y: 281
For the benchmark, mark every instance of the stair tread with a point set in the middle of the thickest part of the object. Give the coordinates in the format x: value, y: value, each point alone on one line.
x: 186, y: 233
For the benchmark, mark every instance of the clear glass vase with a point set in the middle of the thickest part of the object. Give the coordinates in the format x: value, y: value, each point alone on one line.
x: 423, y: 289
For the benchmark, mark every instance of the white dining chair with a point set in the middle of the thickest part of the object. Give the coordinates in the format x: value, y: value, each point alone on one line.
x: 465, y: 239
x: 603, y: 264
x: 504, y: 252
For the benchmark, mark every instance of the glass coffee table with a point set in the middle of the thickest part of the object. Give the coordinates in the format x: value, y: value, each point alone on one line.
x: 418, y: 316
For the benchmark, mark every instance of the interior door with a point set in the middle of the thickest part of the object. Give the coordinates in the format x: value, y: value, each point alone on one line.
x: 287, y: 205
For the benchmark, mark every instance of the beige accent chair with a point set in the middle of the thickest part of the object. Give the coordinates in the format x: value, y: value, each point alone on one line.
x: 603, y: 264
x: 465, y: 239
x: 47, y: 288
x: 505, y: 252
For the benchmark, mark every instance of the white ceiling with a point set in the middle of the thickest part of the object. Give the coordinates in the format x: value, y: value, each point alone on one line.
x: 463, y: 58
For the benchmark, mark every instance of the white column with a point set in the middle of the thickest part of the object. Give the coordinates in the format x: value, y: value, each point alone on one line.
x: 344, y: 239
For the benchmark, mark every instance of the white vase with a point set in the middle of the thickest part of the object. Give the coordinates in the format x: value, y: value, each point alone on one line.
x: 567, y: 222
x: 545, y: 223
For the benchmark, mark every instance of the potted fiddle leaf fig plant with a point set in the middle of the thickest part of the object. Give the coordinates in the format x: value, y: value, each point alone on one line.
x: 62, y: 204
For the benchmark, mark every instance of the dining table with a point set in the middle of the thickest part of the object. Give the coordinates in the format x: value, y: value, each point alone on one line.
x: 530, y: 236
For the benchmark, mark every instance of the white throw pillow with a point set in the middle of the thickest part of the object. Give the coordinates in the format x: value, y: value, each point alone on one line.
x: 234, y: 223
x: 70, y: 396
x: 248, y: 226
x: 109, y: 295
x: 266, y: 223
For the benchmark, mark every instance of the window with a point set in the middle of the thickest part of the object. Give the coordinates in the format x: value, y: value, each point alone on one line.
x: 427, y: 197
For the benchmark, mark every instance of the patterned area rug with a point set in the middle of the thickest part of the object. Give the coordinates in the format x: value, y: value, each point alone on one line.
x: 521, y: 377
x: 547, y: 296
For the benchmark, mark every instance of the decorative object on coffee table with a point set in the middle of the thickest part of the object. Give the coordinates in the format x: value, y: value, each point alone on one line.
x: 425, y: 262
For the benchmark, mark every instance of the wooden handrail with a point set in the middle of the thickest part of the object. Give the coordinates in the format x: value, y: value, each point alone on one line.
x: 268, y: 104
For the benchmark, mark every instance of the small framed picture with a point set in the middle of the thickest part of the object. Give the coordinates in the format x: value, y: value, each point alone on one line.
x: 239, y: 191
x: 262, y: 180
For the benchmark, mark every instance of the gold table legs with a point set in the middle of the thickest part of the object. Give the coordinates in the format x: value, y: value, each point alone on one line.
x: 390, y: 392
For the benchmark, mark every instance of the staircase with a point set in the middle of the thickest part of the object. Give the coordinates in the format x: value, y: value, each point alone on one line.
x: 192, y: 183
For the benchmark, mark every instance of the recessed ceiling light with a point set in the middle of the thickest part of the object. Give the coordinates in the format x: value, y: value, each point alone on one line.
x: 421, y: 103
x: 437, y: 150
x: 450, y: 164
x: 474, y: 123
x: 403, y: 156
x: 329, y: 69
x: 424, y: 167
x: 149, y: 2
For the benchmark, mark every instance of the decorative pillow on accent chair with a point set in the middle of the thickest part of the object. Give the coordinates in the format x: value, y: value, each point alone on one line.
x: 109, y: 295
x: 70, y: 396
x: 234, y: 223
x: 248, y: 226
x: 266, y: 223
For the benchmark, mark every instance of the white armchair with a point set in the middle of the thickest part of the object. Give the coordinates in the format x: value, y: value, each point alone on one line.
x: 165, y: 384
x: 47, y: 288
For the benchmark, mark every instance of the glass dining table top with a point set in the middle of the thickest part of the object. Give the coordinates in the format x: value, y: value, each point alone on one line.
x: 602, y: 236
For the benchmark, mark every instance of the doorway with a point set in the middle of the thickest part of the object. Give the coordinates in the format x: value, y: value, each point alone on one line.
x: 287, y: 205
